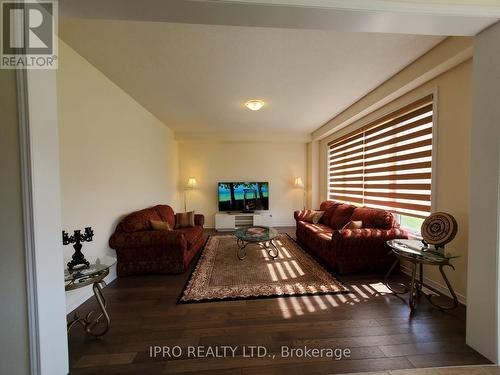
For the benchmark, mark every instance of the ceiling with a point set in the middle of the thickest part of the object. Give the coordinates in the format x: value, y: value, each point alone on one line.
x: 193, y: 63
x: 195, y: 78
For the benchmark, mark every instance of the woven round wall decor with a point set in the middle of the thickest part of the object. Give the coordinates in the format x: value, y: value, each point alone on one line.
x: 439, y: 228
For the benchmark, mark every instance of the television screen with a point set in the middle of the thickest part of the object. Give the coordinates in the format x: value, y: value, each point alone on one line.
x: 243, y: 196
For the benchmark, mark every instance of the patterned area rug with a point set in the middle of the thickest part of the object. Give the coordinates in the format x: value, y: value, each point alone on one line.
x: 220, y: 275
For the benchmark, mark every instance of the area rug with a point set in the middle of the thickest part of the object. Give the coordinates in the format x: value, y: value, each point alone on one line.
x: 220, y: 275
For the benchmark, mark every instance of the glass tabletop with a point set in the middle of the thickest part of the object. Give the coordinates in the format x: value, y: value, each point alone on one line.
x: 256, y: 234
x: 97, y: 266
x: 416, y: 249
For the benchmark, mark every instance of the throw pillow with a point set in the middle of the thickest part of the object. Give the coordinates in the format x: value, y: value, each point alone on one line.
x: 329, y: 208
x: 159, y: 225
x: 184, y: 219
x: 353, y: 225
x: 314, y: 216
x: 341, y: 216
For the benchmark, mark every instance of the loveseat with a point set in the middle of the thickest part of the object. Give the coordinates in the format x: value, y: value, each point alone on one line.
x: 140, y: 249
x: 349, y: 250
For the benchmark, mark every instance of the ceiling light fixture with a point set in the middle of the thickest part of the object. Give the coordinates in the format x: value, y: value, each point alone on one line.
x: 254, y: 104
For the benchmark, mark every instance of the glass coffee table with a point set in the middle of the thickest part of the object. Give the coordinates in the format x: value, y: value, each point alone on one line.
x: 262, y: 236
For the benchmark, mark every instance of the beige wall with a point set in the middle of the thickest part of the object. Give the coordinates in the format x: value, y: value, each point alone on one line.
x: 212, y: 161
x: 451, y: 187
x: 116, y: 157
x: 14, y: 356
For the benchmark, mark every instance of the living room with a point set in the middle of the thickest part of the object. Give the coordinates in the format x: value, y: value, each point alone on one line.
x: 157, y: 108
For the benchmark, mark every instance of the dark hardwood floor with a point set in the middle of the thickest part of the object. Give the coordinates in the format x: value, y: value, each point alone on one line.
x: 377, y: 328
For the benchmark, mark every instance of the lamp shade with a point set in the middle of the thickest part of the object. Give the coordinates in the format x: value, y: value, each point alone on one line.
x: 191, y: 184
x: 298, y: 182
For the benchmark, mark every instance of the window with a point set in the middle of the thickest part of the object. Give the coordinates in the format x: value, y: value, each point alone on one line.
x: 411, y: 223
x: 387, y: 164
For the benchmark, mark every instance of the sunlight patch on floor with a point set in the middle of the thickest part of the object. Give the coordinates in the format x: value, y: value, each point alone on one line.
x: 307, y: 304
x: 273, y: 275
x: 380, y: 288
x: 281, y: 271
x: 359, y: 291
x: 289, y: 269
x: 285, y: 312
x: 297, y: 267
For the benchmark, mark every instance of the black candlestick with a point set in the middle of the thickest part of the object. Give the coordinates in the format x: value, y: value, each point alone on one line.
x: 77, y: 238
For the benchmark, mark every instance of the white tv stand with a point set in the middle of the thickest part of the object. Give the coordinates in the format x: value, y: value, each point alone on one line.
x: 228, y: 221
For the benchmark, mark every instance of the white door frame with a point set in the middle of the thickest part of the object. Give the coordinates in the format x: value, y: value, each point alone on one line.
x: 39, y: 145
x: 27, y: 202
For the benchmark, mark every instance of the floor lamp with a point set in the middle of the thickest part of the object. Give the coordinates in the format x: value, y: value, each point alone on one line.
x: 300, y: 185
x: 191, y: 184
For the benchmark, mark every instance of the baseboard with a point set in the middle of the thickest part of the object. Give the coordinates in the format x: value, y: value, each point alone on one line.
x: 438, y: 286
x: 281, y: 225
x: 86, y: 292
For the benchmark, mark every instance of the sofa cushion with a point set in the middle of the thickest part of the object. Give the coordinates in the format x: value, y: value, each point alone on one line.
x: 313, y: 216
x: 184, y: 219
x: 317, y: 228
x: 191, y: 234
x: 318, y: 234
x: 160, y: 225
x: 374, y: 218
x: 329, y: 208
x: 166, y: 213
x: 341, y: 216
x: 138, y: 221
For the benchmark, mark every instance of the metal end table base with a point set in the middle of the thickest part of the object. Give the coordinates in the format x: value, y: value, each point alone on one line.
x: 90, y: 324
x: 415, y: 288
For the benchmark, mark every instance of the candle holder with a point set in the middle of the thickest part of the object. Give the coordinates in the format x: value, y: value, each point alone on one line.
x: 77, y: 259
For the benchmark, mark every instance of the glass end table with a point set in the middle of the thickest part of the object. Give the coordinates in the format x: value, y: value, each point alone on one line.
x: 94, y: 274
x: 418, y: 255
x: 262, y: 236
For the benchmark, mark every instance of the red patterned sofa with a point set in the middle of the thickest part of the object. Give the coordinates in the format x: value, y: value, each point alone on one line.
x: 349, y: 250
x: 140, y: 249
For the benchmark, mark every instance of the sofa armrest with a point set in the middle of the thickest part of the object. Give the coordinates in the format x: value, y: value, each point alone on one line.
x: 300, y: 215
x: 199, y: 220
x: 152, y: 238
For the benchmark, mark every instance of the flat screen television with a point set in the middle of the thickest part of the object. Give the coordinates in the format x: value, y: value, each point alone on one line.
x: 243, y: 196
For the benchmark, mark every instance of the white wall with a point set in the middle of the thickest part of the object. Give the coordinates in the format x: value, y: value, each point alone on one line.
x: 116, y: 157
x: 211, y: 161
x: 483, y: 296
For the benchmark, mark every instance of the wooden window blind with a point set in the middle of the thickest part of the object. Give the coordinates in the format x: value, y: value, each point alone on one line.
x: 388, y: 163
